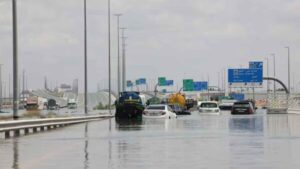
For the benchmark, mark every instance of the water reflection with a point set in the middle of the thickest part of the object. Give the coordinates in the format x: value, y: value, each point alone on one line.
x: 283, y: 125
x: 86, y: 145
x: 15, y: 153
x: 129, y: 124
x: 247, y: 123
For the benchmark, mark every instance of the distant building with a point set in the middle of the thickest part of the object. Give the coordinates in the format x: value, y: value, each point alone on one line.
x: 75, y: 86
x: 65, y: 88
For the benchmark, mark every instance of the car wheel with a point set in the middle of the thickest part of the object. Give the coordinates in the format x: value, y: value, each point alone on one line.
x: 169, y: 117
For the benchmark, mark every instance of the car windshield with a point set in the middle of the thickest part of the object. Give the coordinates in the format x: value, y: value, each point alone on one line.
x: 242, y: 105
x: 209, y: 105
x: 156, y: 108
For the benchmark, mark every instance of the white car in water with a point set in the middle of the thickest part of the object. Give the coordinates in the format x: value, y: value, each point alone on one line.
x: 159, y: 111
x: 209, y: 107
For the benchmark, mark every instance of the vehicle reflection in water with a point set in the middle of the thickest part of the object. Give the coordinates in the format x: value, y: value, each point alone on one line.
x: 129, y: 124
x: 246, y: 140
x: 250, y: 123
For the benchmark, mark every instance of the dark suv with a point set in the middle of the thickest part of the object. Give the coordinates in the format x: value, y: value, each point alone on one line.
x: 243, y: 107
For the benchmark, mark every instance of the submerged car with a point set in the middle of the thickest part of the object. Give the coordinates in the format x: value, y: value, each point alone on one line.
x: 159, y: 111
x: 243, y: 107
x: 209, y: 107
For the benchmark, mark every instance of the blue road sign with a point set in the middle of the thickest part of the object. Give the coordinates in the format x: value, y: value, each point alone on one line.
x: 245, y: 76
x: 140, y: 81
x: 169, y: 82
x: 129, y: 83
x: 256, y: 65
x: 238, y: 96
x: 200, y: 86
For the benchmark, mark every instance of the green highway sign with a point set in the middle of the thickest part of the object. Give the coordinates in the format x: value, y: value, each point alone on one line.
x: 162, y: 81
x: 188, y: 85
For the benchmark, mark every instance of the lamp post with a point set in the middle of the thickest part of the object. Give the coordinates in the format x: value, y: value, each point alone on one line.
x: 15, y: 60
x: 274, y: 66
x: 289, y: 69
x: 119, y: 76
x: 1, y: 97
x: 109, y: 61
x: 85, y: 61
x: 123, y: 59
x: 268, y: 84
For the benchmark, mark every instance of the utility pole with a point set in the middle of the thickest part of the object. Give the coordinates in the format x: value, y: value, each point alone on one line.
x: 85, y: 61
x: 109, y: 61
x: 123, y: 59
x: 119, y: 76
x: 15, y: 60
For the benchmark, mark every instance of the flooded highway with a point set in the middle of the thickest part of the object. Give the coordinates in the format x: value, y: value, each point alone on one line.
x: 224, y: 141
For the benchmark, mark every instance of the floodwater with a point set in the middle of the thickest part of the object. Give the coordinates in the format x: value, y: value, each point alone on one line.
x: 197, y: 141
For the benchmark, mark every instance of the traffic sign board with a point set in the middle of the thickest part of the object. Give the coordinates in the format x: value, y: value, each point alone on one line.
x: 162, y: 81
x: 245, y: 77
x: 188, y: 85
x: 129, y: 83
x: 256, y: 65
x: 200, y: 86
x: 140, y: 81
x: 169, y: 82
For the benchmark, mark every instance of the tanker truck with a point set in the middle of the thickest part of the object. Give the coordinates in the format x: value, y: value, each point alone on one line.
x: 180, y: 99
x: 129, y: 105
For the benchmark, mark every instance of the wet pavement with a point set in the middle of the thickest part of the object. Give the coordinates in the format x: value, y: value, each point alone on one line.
x: 197, y: 141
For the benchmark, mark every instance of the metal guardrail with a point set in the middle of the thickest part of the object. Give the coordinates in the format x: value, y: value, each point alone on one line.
x: 43, y: 124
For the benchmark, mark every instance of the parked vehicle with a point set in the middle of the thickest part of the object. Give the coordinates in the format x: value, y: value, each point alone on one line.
x: 72, y: 104
x: 209, y: 107
x: 32, y: 103
x: 153, y: 100
x: 51, y: 104
x: 129, y: 105
x: 159, y: 111
x: 243, y: 107
x: 227, y: 104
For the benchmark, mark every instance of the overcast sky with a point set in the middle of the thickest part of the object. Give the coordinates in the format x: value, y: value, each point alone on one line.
x: 173, y: 38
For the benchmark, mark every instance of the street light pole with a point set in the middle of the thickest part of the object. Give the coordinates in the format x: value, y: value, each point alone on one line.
x: 85, y: 61
x: 1, y: 97
x: 268, y: 84
x: 23, y: 86
x: 123, y: 59
x: 15, y: 60
x: 119, y: 76
x: 109, y: 61
x: 274, y: 66
x: 289, y: 69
